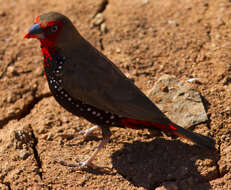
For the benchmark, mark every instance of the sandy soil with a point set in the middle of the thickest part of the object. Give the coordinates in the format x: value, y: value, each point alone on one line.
x: 146, y: 39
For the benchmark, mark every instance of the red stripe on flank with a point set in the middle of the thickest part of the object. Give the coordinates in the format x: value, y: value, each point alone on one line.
x: 138, y: 124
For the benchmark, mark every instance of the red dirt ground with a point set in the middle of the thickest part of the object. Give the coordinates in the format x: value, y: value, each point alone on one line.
x: 146, y: 39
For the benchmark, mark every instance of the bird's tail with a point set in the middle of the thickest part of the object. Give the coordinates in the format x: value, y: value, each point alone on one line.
x: 197, y: 138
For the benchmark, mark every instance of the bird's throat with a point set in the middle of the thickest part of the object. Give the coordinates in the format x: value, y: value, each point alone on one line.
x: 48, y: 50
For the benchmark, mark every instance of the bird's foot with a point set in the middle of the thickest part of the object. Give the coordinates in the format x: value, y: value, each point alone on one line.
x: 88, y: 162
x: 81, y: 134
x: 76, y: 166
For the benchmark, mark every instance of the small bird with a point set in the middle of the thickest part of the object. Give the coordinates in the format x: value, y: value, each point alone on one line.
x: 89, y: 85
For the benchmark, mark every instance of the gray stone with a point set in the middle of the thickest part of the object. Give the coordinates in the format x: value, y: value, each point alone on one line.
x: 178, y: 100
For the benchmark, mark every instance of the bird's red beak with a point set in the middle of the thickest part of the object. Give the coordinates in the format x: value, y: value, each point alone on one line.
x: 35, y: 32
x: 27, y: 35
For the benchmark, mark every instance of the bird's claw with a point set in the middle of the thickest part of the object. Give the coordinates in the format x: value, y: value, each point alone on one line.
x: 78, y: 166
x: 81, y: 134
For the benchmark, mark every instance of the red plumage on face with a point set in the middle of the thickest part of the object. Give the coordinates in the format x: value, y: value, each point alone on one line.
x: 49, y: 34
x: 51, y: 31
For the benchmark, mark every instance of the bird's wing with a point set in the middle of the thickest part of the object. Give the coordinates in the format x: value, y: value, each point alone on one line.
x: 89, y: 76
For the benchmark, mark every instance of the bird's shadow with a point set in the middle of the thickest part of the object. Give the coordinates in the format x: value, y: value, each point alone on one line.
x: 149, y: 164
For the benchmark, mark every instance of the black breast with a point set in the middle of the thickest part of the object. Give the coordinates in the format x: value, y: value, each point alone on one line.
x: 53, y: 70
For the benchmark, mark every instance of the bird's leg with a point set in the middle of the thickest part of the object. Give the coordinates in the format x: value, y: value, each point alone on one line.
x: 81, y: 134
x: 106, y: 133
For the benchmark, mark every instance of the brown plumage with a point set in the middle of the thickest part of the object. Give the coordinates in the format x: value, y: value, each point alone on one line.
x: 88, y: 84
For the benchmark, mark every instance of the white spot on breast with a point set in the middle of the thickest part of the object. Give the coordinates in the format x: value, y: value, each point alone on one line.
x: 88, y: 109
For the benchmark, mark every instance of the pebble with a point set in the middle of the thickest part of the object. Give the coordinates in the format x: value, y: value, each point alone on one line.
x: 225, y: 138
x: 98, y: 20
x: 227, y: 80
x: 196, y: 80
x: 178, y: 100
x: 171, y: 22
x: 118, y: 51
x: 24, y: 154
x: 11, y: 71
x: 145, y: 1
x: 2, y: 13
x: 103, y: 28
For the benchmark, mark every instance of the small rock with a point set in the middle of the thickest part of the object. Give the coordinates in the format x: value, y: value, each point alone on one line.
x: 98, y: 20
x: 145, y: 1
x: 178, y: 100
x: 206, y: 4
x: 2, y: 13
x: 207, y: 168
x: 11, y: 71
x: 24, y: 154
x: 223, y: 137
x: 118, y: 50
x: 194, y: 80
x: 49, y: 137
x: 103, y: 28
x: 217, y: 36
x: 227, y: 80
x: 171, y: 22
x: 227, y: 139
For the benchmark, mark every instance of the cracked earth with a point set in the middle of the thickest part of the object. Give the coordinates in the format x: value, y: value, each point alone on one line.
x: 145, y: 39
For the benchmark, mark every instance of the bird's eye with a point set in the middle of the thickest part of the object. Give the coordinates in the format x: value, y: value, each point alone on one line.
x: 53, y: 28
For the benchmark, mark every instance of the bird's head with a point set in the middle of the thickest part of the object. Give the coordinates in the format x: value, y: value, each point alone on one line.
x: 53, y: 29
